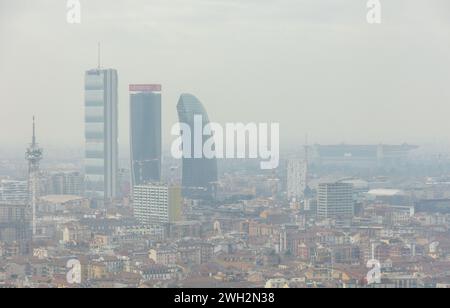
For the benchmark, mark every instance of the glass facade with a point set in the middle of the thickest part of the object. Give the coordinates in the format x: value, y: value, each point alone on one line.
x: 199, y: 174
x: 145, y: 137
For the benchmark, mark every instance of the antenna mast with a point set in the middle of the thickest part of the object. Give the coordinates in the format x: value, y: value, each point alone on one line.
x: 99, y: 56
x: 33, y: 140
x: 34, y: 155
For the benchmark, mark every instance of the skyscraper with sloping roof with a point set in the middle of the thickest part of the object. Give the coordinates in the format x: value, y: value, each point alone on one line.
x: 199, y: 174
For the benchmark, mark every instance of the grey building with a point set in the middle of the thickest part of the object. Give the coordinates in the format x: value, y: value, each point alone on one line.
x: 66, y: 183
x: 335, y: 201
x: 199, y: 174
x: 145, y: 133
x: 16, y: 225
x: 101, y: 132
x: 14, y: 191
x: 380, y: 155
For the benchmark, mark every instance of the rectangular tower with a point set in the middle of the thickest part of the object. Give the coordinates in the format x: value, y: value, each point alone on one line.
x: 101, y: 133
x: 157, y: 203
x: 16, y: 225
x: 145, y: 133
x: 151, y: 204
x: 335, y: 201
x: 296, y: 178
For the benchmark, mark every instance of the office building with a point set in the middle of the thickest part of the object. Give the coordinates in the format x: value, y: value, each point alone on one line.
x: 101, y: 131
x: 199, y: 174
x: 157, y: 204
x: 16, y: 225
x: 335, y: 201
x: 14, y: 191
x: 145, y: 133
x: 65, y: 183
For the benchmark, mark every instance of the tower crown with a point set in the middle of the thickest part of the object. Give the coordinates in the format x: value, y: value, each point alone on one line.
x: 34, y: 154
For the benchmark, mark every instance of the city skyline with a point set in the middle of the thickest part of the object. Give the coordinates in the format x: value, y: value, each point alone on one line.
x: 224, y: 148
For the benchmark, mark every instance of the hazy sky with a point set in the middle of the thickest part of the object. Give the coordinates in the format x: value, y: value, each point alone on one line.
x: 315, y: 66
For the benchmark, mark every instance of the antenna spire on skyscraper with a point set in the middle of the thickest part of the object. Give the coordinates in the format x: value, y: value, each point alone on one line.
x: 99, y: 56
x: 33, y: 141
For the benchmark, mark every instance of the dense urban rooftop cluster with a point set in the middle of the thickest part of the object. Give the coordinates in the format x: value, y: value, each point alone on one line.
x: 250, y: 235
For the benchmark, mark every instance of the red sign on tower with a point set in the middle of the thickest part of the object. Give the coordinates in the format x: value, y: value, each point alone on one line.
x: 145, y: 88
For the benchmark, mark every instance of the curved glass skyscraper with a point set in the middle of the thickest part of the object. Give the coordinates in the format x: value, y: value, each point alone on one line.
x: 199, y: 174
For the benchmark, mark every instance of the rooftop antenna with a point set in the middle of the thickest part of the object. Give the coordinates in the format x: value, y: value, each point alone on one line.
x: 33, y: 141
x: 99, y: 56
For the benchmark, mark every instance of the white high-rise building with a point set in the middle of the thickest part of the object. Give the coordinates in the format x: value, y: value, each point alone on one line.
x: 101, y: 132
x: 156, y: 203
x: 151, y: 203
x: 296, y: 178
x: 335, y: 201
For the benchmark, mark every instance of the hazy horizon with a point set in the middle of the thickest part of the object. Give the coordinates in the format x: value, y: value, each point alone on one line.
x: 235, y: 208
x: 316, y: 67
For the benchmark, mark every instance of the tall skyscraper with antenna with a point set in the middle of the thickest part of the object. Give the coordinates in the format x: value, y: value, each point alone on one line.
x: 101, y: 134
x: 34, y: 156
